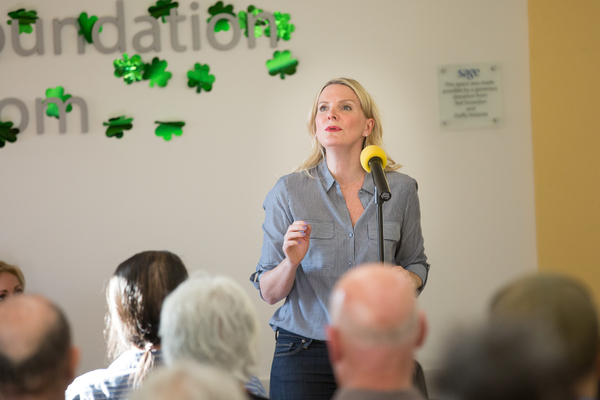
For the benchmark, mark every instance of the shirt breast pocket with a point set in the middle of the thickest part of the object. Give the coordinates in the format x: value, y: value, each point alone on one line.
x: 321, y: 250
x: 391, y: 236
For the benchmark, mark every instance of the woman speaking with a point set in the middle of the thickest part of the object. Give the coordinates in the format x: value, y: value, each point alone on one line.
x: 319, y: 222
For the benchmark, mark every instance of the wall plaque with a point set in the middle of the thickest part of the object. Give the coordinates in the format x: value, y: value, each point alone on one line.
x: 470, y: 95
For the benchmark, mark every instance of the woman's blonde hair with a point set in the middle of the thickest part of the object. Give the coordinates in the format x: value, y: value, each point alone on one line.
x: 369, y: 108
x: 12, y: 269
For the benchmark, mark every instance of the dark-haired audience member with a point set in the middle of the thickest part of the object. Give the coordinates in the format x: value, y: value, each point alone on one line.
x: 211, y: 319
x: 12, y: 280
x: 565, y: 307
x: 134, y: 295
x: 189, y: 380
x: 375, y: 329
x: 37, y: 361
x: 505, y: 361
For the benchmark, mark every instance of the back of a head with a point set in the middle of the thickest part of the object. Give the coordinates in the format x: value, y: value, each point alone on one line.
x: 375, y: 305
x: 561, y: 304
x: 135, y: 295
x: 188, y: 380
x: 504, y: 361
x: 35, y: 347
x: 211, y: 320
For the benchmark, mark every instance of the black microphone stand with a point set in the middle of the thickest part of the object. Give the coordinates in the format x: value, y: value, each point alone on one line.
x: 380, y: 182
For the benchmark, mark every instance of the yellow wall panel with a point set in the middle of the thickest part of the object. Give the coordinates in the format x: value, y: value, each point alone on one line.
x: 564, y: 39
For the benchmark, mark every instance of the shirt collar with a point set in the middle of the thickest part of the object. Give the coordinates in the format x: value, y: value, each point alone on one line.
x: 327, y: 179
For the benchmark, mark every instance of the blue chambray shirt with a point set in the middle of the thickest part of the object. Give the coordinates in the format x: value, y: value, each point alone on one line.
x: 335, y: 246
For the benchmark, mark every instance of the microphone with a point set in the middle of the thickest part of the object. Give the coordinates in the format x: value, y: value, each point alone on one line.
x: 373, y: 159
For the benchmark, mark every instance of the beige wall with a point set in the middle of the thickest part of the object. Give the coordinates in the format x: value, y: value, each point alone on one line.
x: 73, y: 206
x: 565, y: 97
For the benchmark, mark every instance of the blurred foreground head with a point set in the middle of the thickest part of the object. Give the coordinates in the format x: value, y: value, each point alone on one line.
x: 375, y: 328
x: 211, y: 319
x: 188, y: 380
x: 36, y: 356
x: 563, y: 306
x: 505, y: 361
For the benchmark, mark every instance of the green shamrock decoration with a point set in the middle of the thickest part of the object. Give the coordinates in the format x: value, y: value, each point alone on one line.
x: 200, y: 78
x: 167, y: 129
x: 162, y: 9
x: 282, y: 64
x: 86, y: 24
x: 56, y: 93
x: 131, y: 69
x: 243, y: 21
x: 7, y: 133
x: 117, y: 125
x: 219, y: 8
x: 25, y: 18
x: 284, y: 28
x: 156, y: 73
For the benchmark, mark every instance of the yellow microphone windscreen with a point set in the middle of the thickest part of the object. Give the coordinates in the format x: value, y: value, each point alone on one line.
x: 370, y: 152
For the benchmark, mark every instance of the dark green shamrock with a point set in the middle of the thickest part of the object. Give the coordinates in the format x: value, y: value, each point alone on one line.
x: 156, y: 73
x: 131, y: 69
x: 167, y: 129
x: 7, y: 133
x: 25, y: 18
x: 200, y: 78
x: 86, y: 24
x: 117, y: 125
x: 219, y: 8
x: 243, y: 21
x: 282, y: 64
x: 162, y: 9
x: 284, y: 28
x: 56, y: 93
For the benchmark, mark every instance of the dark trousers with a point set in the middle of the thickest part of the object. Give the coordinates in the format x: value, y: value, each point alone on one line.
x: 301, y: 369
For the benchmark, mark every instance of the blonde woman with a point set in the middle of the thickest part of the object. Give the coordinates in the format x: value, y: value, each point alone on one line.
x: 320, y: 221
x: 12, y: 280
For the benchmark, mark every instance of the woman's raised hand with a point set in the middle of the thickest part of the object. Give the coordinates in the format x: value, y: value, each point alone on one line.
x: 296, y: 241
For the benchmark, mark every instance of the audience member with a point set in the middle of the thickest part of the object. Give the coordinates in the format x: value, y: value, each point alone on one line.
x: 505, y: 361
x: 212, y: 320
x: 188, y: 380
x: 134, y: 295
x: 12, y: 280
x: 563, y: 306
x: 37, y: 361
x: 375, y: 329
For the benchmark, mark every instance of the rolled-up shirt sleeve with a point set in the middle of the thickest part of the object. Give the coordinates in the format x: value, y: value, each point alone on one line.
x: 411, y: 252
x: 278, y: 218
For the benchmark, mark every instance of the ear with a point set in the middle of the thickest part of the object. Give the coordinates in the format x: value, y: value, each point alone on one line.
x: 423, y: 329
x: 369, y: 127
x: 333, y: 344
x: 74, y: 357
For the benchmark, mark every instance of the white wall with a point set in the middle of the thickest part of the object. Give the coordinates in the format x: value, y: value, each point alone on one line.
x: 73, y: 206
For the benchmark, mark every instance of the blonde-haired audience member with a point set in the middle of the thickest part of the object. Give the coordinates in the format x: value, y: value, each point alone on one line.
x: 188, y: 380
x: 12, y: 280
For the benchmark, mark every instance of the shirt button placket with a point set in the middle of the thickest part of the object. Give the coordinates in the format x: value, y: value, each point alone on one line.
x: 350, y: 235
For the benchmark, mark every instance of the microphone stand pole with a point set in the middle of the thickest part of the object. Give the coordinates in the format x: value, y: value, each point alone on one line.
x: 379, y: 204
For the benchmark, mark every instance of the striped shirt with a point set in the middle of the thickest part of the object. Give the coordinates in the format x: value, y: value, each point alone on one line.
x: 113, y: 383
x: 110, y: 383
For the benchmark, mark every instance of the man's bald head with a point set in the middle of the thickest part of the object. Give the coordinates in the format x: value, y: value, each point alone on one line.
x: 35, y: 346
x: 375, y: 305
